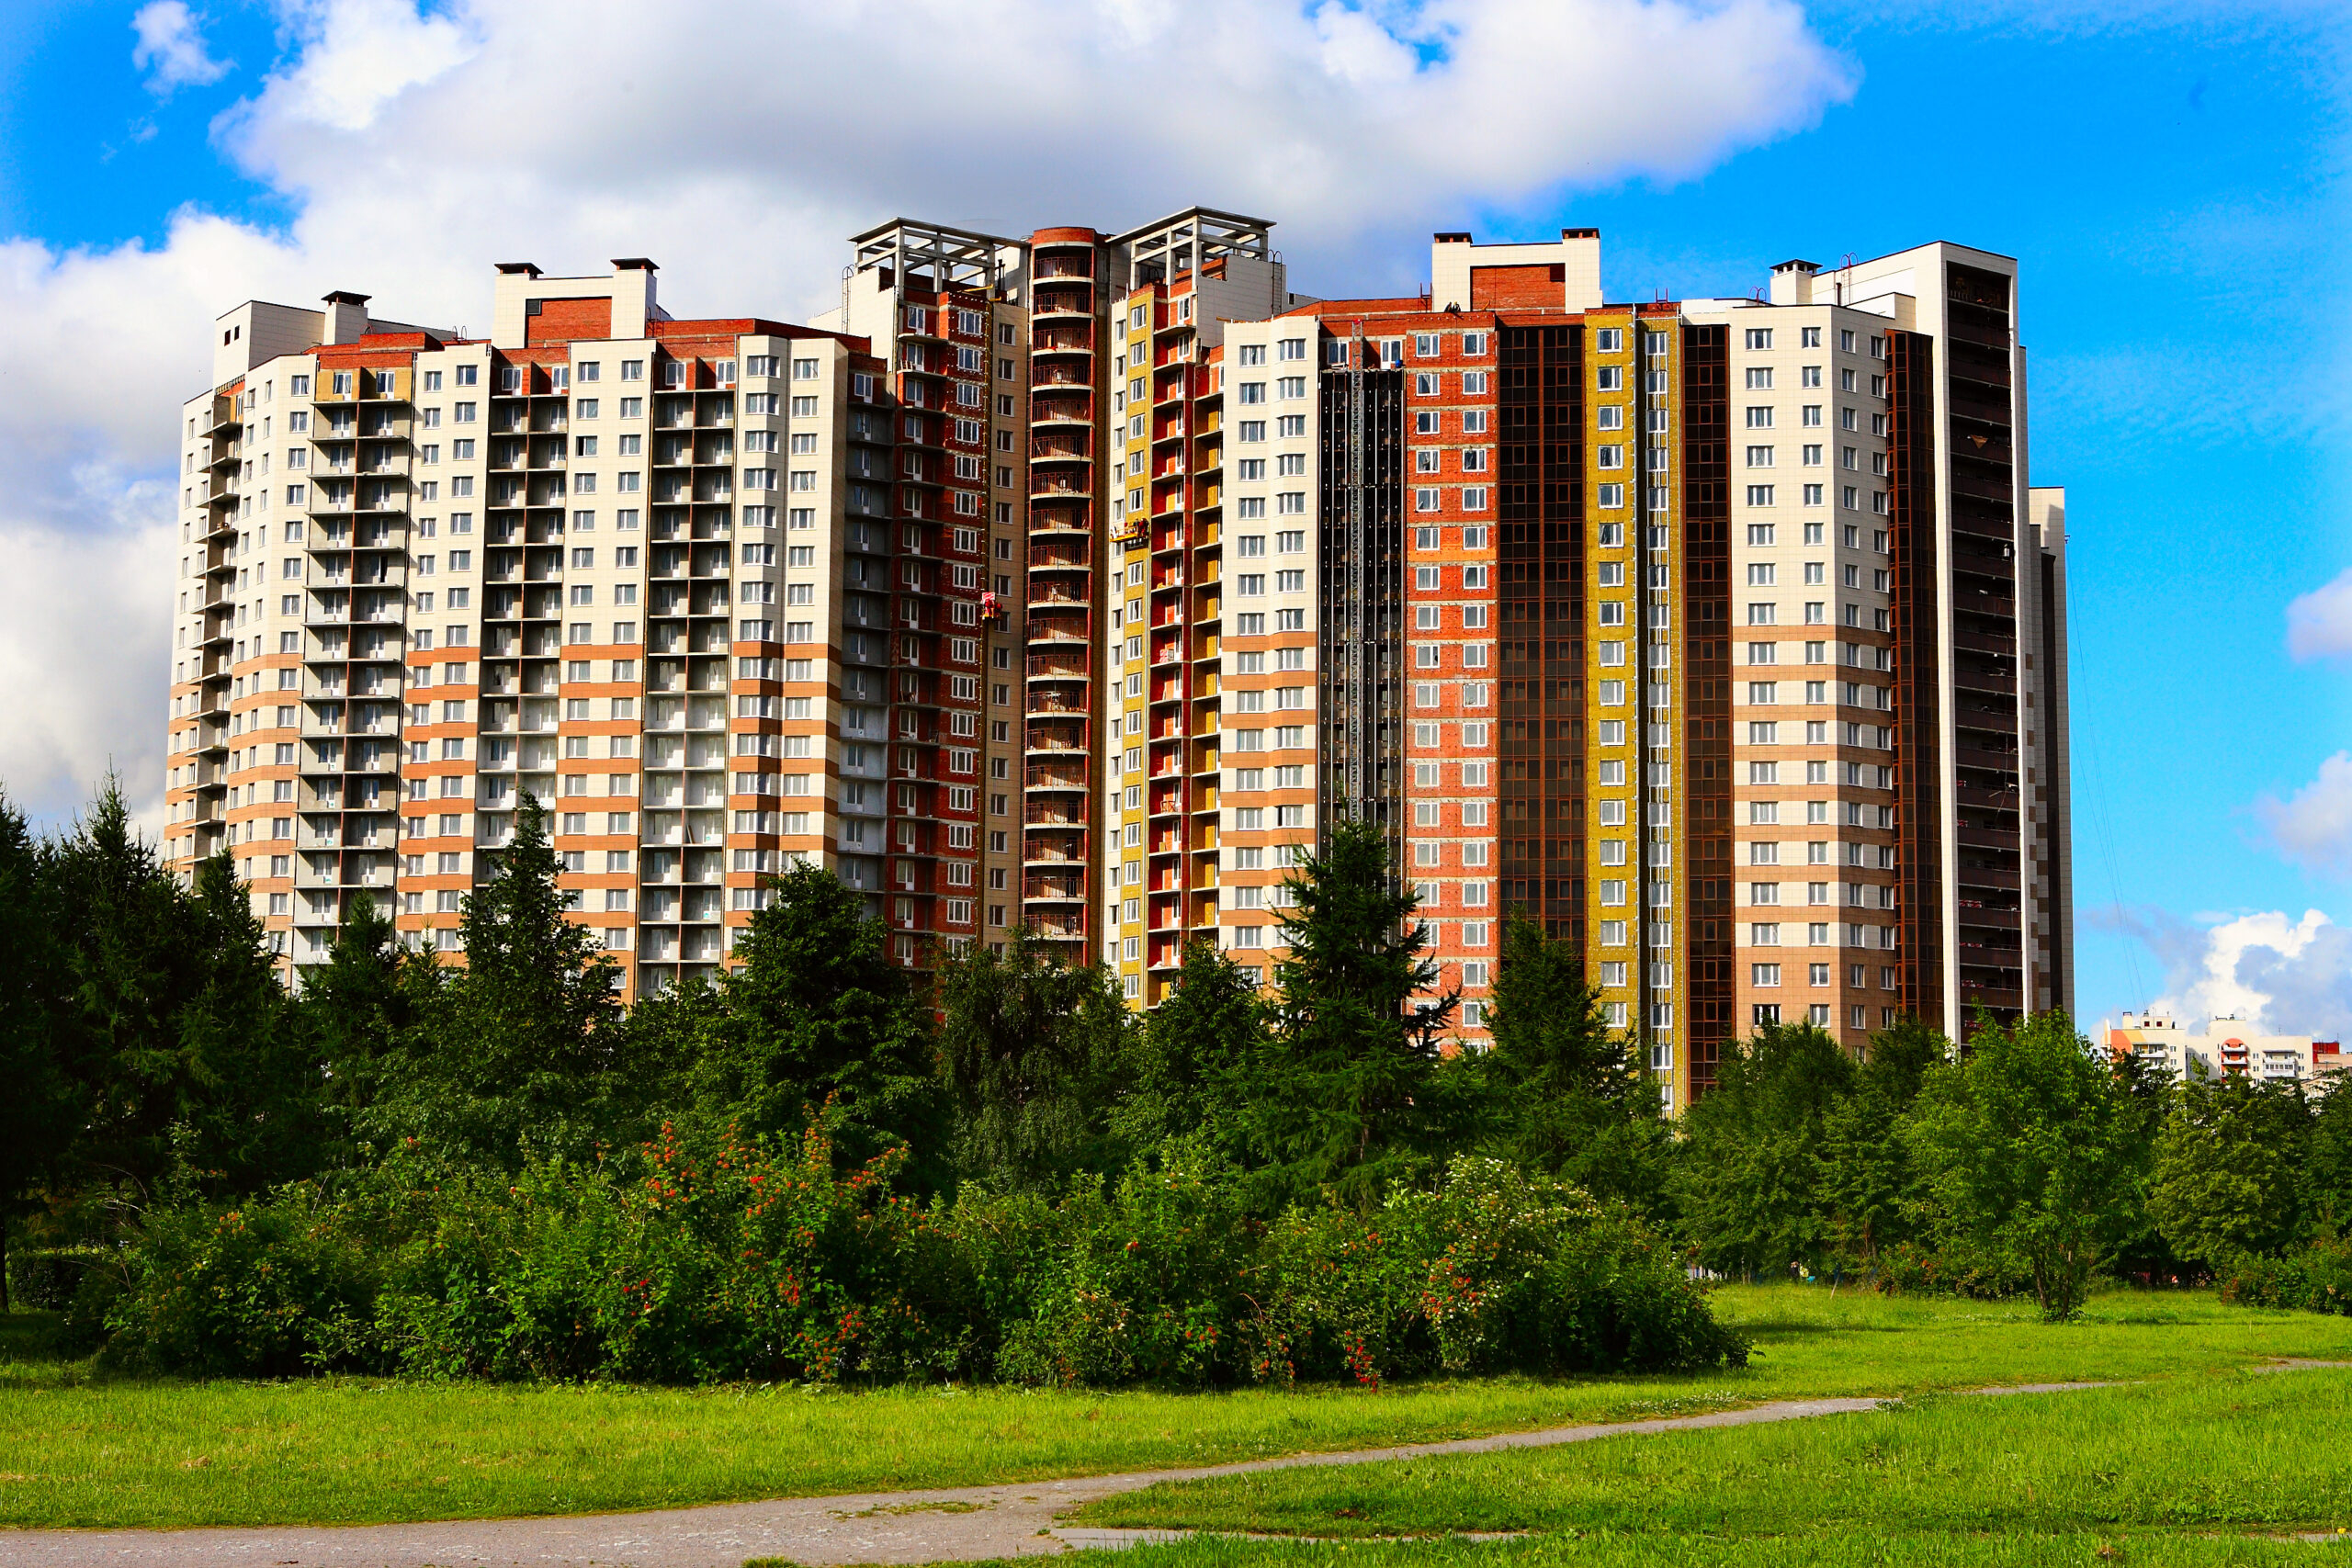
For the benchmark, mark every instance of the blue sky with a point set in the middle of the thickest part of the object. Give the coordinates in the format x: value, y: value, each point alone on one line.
x: 2171, y: 179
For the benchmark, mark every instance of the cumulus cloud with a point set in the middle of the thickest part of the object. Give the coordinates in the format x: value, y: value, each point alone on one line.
x: 2313, y: 826
x: 415, y: 145
x: 171, y: 47
x: 2319, y: 623
x: 2279, y: 974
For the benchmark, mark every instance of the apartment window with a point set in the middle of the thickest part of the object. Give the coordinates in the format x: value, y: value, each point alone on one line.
x: 1759, y: 457
x: 1759, y: 416
x: 1760, y: 337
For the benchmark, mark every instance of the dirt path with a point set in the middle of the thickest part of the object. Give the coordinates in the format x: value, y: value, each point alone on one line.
x: 960, y: 1524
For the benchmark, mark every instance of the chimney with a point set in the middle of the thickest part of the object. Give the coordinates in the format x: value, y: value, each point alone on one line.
x: 633, y: 303
x: 511, y: 303
x: 1792, y: 282
x: 1580, y: 270
x: 346, y: 317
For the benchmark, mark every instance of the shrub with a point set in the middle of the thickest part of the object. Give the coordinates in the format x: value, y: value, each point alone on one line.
x: 2318, y: 1278
x: 46, y: 1278
x: 265, y: 1288
x: 1494, y: 1270
x: 1522, y: 1274
x: 1141, y: 1286
x: 703, y: 1257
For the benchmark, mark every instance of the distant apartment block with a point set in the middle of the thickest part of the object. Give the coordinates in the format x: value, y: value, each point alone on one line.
x: 2226, y: 1047
x: 1079, y: 581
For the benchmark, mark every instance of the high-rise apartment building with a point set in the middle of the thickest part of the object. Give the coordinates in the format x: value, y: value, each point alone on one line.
x: 1078, y: 581
x: 711, y: 590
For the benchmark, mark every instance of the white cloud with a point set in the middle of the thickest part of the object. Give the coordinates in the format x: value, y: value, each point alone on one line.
x: 2319, y: 623
x: 2313, y: 826
x: 171, y: 47
x: 2281, y: 973
x: 739, y: 144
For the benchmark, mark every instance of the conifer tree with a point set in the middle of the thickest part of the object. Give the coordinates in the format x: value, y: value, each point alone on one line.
x: 1348, y: 1092
x: 124, y: 958
x: 39, y: 1108
x: 358, y: 1009
x: 1570, y: 1097
x: 523, y: 1041
x: 1190, y: 1058
x: 254, y: 1093
x: 817, y: 1011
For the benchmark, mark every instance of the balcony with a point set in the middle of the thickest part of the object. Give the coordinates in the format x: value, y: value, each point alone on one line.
x: 1063, y: 340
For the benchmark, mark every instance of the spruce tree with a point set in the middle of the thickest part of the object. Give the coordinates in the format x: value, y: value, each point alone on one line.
x: 39, y: 1109
x: 358, y: 1009
x: 523, y: 1041
x: 254, y: 1093
x: 1190, y: 1060
x: 125, y: 957
x: 1569, y: 1096
x: 1348, y: 1091
x: 817, y: 1011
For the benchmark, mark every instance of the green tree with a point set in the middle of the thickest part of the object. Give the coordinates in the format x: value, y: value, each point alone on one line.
x: 1569, y: 1098
x: 124, y: 962
x: 2029, y: 1157
x: 1751, y: 1186
x: 2328, y: 1176
x: 1349, y: 1090
x: 1191, y: 1055
x: 359, y: 1006
x: 816, y: 1012
x: 2230, y: 1170
x: 525, y: 1039
x: 1872, y: 1185
x: 39, y: 1109
x: 1029, y: 1050
x: 254, y: 1093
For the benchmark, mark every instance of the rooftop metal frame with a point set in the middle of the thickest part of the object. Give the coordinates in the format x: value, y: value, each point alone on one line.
x: 955, y: 258
x: 1184, y: 241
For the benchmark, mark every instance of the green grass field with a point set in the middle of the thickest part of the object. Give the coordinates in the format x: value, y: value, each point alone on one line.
x: 2189, y: 1464
x: 2226, y: 1450
x: 79, y: 1448
x: 1881, y: 1548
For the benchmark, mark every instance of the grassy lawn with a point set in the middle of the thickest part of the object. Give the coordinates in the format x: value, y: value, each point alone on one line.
x: 1884, y: 1547
x: 2228, y: 1451
x: 76, y: 1449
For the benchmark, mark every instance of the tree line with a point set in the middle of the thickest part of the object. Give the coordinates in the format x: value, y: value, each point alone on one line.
x: 175, y: 1118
